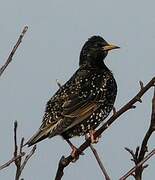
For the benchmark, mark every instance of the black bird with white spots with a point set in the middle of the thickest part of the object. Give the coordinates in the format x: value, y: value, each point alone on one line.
x: 84, y: 101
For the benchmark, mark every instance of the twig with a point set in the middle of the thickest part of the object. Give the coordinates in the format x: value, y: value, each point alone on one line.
x: 9, y: 59
x: 15, y: 144
x: 28, y: 157
x: 100, y: 162
x: 139, y: 155
x: 143, y: 150
x: 64, y: 162
x: 20, y: 164
x: 11, y: 161
x: 18, y: 155
x: 138, y: 165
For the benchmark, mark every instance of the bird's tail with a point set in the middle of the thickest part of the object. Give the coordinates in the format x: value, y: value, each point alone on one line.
x: 38, y: 136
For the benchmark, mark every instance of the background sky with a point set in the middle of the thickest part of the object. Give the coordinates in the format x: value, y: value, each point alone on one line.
x: 49, y: 51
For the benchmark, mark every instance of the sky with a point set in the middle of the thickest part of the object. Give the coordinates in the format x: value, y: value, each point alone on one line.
x: 49, y: 51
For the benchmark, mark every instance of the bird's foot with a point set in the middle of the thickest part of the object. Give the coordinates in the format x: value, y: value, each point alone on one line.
x: 75, y: 151
x: 75, y: 154
x: 93, y: 138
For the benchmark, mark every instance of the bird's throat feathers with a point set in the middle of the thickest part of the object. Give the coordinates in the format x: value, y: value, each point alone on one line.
x: 95, y: 64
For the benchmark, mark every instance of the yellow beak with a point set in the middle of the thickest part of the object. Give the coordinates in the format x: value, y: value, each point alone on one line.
x: 110, y: 47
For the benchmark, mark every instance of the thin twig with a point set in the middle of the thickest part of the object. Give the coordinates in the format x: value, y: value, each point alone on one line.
x: 15, y: 138
x: 138, y: 165
x: 64, y: 162
x: 18, y: 154
x: 144, y: 148
x: 99, y: 162
x: 11, y: 161
x: 9, y: 59
x: 140, y: 152
x: 28, y: 157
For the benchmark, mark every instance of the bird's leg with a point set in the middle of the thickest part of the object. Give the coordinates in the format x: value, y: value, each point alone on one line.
x: 93, y: 139
x: 75, y: 152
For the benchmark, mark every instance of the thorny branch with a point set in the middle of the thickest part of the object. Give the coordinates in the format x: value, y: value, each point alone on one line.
x: 139, y: 155
x: 9, y: 59
x: 64, y: 162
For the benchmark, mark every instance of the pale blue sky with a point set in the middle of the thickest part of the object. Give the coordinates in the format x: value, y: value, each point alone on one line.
x: 50, y: 51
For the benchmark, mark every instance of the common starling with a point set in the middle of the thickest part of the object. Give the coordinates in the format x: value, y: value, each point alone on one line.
x: 84, y: 101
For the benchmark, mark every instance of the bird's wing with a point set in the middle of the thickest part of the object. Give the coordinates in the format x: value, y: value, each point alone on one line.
x: 72, y: 116
x: 73, y: 109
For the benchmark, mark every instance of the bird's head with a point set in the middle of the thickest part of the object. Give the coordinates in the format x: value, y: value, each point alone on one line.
x: 95, y: 50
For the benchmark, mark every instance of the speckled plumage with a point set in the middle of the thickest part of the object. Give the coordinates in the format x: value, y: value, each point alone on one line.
x: 84, y: 101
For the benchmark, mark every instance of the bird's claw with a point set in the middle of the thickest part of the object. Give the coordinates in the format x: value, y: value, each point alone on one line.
x: 93, y: 139
x: 75, y: 154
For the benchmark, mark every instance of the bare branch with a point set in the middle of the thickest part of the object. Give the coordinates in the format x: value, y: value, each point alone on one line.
x: 144, y: 149
x: 100, y: 162
x: 62, y: 164
x: 138, y: 165
x: 11, y: 161
x: 18, y: 162
x: 15, y: 138
x: 139, y: 155
x: 66, y: 161
x: 131, y: 153
x: 28, y: 157
x: 2, y: 69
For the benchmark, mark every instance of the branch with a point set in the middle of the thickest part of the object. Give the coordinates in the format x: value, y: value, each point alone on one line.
x: 139, y: 155
x: 28, y: 157
x: 11, y: 161
x: 64, y: 162
x: 13, y: 50
x: 18, y: 155
x: 19, y: 162
x: 99, y: 162
x: 138, y: 165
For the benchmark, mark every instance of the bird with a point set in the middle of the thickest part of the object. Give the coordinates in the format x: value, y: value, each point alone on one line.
x: 85, y: 100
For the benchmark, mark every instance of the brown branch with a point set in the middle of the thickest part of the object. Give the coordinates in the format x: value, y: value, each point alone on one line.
x: 11, y: 161
x: 20, y: 164
x: 18, y: 155
x: 144, y: 149
x: 64, y: 162
x: 129, y: 173
x: 139, y: 155
x: 17, y: 161
x: 9, y: 59
x: 28, y: 157
x: 100, y: 162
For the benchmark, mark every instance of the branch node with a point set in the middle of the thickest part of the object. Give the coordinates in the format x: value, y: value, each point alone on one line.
x: 133, y: 106
x: 141, y: 85
x: 139, y: 99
